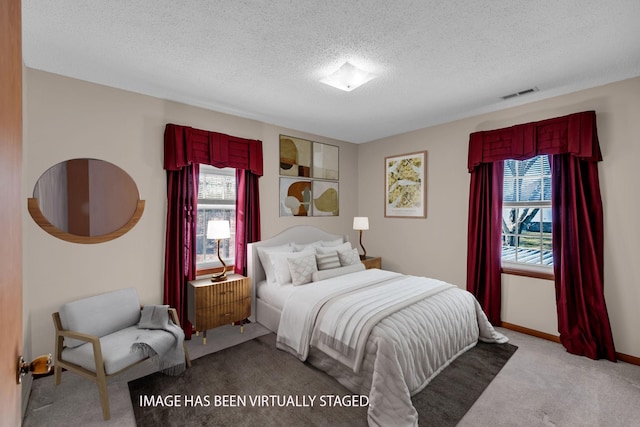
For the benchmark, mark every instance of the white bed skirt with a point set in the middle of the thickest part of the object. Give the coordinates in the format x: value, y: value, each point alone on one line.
x: 267, y: 315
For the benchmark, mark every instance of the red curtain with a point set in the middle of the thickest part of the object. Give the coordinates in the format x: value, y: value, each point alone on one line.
x: 247, y: 216
x: 578, y: 261
x: 484, y: 250
x: 574, y: 134
x: 184, y: 149
x: 184, y: 145
x: 180, y: 254
x: 577, y: 230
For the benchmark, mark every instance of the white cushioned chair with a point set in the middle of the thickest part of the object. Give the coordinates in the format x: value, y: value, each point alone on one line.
x: 94, y: 337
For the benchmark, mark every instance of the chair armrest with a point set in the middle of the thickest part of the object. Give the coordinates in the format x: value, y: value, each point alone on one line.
x: 60, y: 332
x: 93, y: 339
x: 173, y: 313
x: 78, y: 336
x: 95, y: 343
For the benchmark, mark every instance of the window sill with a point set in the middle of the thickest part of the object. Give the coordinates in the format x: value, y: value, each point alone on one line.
x: 213, y: 270
x: 536, y: 274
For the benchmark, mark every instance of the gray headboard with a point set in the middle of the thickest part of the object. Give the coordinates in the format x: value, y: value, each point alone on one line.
x: 300, y: 234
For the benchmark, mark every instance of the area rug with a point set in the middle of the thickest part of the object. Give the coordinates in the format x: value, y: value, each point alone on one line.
x: 254, y: 384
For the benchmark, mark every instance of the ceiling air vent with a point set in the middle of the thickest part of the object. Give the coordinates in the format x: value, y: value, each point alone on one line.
x: 522, y: 92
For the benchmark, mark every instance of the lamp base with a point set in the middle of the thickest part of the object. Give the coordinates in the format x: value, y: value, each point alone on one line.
x: 363, y: 257
x: 219, y: 277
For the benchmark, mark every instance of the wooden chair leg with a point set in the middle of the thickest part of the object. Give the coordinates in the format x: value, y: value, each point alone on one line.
x: 57, y: 374
x: 101, y: 379
x: 57, y: 369
x: 186, y: 355
x: 104, y: 397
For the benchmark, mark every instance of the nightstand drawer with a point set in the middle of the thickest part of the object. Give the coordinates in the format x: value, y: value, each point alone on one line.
x: 222, y: 293
x: 223, y: 314
x: 213, y: 304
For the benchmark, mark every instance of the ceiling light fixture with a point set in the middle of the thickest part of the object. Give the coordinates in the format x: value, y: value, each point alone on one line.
x: 347, y: 77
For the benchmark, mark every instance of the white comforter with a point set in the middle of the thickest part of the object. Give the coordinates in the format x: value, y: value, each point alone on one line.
x: 417, y: 328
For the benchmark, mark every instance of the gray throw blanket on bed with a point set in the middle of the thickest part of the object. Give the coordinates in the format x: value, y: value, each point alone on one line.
x: 165, y: 348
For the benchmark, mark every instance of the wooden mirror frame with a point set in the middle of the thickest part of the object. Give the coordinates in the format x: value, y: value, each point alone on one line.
x: 43, y: 222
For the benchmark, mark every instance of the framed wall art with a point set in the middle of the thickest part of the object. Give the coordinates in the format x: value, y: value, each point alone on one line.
x: 309, y: 173
x: 325, y: 198
x: 326, y: 163
x: 405, y: 185
x: 295, y: 156
x: 295, y: 197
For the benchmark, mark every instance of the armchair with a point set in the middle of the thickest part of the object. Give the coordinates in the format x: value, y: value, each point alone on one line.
x: 94, y: 338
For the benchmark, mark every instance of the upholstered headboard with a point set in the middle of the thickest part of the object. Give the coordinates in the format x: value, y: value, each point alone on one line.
x: 300, y: 234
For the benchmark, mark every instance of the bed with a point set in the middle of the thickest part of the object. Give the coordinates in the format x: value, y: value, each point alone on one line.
x: 379, y: 333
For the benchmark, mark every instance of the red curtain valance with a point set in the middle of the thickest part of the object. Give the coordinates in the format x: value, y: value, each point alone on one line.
x: 574, y: 134
x: 184, y: 145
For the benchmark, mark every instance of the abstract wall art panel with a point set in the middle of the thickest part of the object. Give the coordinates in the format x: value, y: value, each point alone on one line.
x: 295, y: 197
x: 295, y: 156
x: 325, y: 198
x: 326, y: 161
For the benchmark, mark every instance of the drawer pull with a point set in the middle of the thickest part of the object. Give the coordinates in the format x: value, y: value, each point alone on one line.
x: 227, y: 314
x: 227, y: 292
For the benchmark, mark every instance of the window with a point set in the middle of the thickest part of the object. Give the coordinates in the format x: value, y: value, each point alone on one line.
x: 526, y: 213
x: 216, y: 200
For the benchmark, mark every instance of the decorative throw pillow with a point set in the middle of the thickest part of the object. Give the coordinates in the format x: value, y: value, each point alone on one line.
x: 349, y: 257
x: 154, y: 316
x: 327, y: 261
x: 335, y: 272
x: 281, y: 264
x: 302, y: 269
x: 326, y: 250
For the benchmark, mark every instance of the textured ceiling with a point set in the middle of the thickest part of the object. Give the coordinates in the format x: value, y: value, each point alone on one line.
x: 435, y: 61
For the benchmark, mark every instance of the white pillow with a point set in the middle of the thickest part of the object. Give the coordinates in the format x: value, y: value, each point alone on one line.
x: 324, y: 243
x: 327, y: 261
x: 280, y: 262
x: 302, y: 268
x: 334, y: 272
x: 267, y: 265
x: 326, y: 250
x: 349, y: 257
x: 335, y: 242
x: 299, y: 247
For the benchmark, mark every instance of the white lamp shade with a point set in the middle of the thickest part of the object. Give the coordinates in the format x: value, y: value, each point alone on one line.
x: 361, y: 223
x: 218, y: 229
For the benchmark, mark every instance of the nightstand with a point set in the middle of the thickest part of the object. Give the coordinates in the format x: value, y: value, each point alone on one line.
x: 213, y: 304
x: 372, y: 262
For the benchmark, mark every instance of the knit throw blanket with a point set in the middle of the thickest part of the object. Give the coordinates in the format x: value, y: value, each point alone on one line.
x: 160, y: 339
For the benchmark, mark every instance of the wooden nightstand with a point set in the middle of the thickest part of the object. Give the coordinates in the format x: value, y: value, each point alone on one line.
x: 213, y: 304
x: 372, y: 262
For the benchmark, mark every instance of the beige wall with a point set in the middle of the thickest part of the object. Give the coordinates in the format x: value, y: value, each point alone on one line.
x: 67, y: 118
x: 436, y: 246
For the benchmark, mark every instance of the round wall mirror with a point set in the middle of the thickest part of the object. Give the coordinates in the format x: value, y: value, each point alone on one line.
x: 85, y: 201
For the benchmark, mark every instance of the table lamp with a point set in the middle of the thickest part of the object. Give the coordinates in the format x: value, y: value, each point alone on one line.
x: 219, y: 229
x: 361, y: 223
